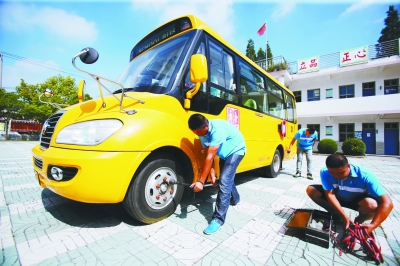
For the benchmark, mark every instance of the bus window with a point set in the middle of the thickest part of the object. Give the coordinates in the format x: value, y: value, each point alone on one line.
x: 275, y: 100
x: 222, y: 75
x: 153, y: 70
x: 252, y: 85
x: 290, y: 107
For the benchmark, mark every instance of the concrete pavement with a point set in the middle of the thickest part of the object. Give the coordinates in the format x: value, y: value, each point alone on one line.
x: 38, y: 227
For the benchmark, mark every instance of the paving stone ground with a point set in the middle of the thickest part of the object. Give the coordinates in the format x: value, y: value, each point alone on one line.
x: 38, y: 227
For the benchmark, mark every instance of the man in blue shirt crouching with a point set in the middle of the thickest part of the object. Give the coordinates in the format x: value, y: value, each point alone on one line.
x: 227, y: 142
x: 354, y: 187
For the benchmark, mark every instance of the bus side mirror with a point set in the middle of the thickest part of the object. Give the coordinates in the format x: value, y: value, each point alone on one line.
x: 81, y: 90
x: 198, y: 74
x: 48, y: 93
x: 89, y: 56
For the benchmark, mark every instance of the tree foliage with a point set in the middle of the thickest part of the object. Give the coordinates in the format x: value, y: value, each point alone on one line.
x: 260, y: 55
x: 30, y: 98
x: 250, y: 51
x: 391, y: 32
x: 269, y: 52
x: 10, y: 106
x: 392, y: 29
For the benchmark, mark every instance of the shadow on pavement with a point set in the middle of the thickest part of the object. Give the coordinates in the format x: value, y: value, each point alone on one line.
x: 85, y: 214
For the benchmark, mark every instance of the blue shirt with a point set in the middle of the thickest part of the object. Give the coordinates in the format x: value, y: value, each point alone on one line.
x: 305, y: 142
x: 227, y: 136
x: 360, y: 181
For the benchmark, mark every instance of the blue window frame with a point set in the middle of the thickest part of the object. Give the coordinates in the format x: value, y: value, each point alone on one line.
x: 346, y: 91
x: 391, y: 86
x: 368, y: 89
x: 313, y: 95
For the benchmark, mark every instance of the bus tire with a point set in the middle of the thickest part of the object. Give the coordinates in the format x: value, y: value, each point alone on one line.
x: 150, y: 198
x: 273, y: 169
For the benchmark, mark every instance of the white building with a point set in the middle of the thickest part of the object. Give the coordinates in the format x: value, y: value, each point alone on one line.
x: 343, y: 99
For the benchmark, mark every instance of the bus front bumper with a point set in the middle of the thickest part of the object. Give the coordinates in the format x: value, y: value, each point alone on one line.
x: 97, y: 176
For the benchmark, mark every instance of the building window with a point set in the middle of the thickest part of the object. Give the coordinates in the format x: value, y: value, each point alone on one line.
x: 314, y: 126
x: 391, y: 125
x: 329, y: 130
x: 313, y: 95
x: 346, y: 131
x: 297, y: 95
x: 368, y: 89
x: 346, y: 91
x: 367, y: 126
x: 391, y: 86
x: 329, y: 93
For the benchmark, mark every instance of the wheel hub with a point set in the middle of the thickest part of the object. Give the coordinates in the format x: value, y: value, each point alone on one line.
x: 158, y: 192
x: 163, y: 188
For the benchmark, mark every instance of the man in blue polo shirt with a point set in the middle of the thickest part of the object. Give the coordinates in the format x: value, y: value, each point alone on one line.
x: 227, y: 142
x: 306, y: 138
x: 354, y: 187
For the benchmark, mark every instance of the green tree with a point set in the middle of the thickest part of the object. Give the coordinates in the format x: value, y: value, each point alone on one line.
x: 260, y: 54
x: 390, y: 32
x: 270, y: 62
x: 269, y: 52
x: 10, y: 106
x: 392, y: 29
x: 250, y: 51
x: 65, y: 93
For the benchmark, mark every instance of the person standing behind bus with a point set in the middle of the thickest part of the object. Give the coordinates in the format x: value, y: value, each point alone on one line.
x: 306, y: 138
x: 227, y: 142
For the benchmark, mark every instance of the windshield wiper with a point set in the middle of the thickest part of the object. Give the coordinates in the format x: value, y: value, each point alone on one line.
x: 125, y: 90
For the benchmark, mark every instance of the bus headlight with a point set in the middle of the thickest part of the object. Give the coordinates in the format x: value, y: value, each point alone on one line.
x: 88, y: 133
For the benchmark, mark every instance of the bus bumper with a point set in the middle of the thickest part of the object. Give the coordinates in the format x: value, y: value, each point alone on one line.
x: 97, y: 176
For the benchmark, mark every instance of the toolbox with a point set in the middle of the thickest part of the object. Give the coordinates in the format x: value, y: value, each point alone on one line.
x: 307, y: 221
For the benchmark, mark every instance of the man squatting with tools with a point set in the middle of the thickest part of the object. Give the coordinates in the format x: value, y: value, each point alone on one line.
x: 227, y: 142
x: 354, y: 187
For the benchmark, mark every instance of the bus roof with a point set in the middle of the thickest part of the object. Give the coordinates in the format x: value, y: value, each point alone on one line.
x: 198, y: 24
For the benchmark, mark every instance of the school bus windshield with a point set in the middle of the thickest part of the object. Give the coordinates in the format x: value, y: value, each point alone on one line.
x: 153, y: 70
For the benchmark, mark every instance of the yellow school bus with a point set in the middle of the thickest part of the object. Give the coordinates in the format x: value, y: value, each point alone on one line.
x: 127, y: 145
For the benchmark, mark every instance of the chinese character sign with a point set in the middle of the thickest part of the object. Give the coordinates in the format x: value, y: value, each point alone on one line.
x: 232, y: 115
x: 354, y: 56
x: 308, y: 65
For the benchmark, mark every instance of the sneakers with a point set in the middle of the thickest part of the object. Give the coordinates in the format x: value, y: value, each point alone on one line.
x: 212, y: 228
x: 309, y: 176
x: 297, y: 174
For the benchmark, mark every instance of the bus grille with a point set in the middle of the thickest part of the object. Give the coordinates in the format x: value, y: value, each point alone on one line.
x: 38, y: 163
x: 48, y: 130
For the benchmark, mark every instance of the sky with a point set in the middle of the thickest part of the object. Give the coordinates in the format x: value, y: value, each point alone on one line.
x: 38, y: 39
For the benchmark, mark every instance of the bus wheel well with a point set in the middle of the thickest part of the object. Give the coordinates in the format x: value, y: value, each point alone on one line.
x: 273, y: 169
x: 182, y: 158
x: 281, y: 150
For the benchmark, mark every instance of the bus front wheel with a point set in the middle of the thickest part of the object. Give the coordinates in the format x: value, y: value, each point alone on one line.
x: 150, y: 198
x: 273, y: 169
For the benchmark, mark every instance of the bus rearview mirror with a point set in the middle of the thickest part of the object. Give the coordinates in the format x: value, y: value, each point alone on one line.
x: 198, y: 68
x: 198, y: 74
x: 48, y: 93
